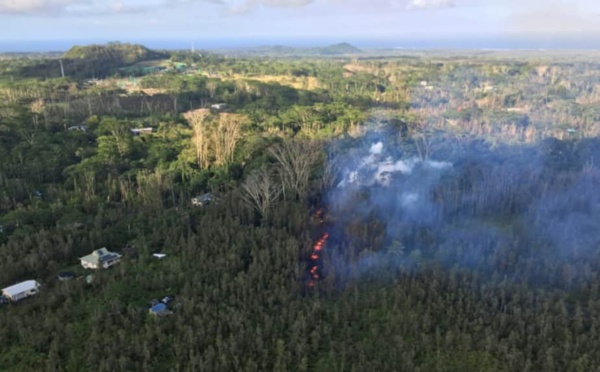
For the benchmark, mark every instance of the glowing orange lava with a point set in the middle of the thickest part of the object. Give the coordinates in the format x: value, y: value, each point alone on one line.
x: 315, y: 257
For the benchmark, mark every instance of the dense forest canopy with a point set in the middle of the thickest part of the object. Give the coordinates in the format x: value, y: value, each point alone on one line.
x: 388, y: 213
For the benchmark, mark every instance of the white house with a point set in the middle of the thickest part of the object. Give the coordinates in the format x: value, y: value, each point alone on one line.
x: 140, y: 131
x: 100, y: 259
x: 21, y: 290
x: 219, y: 106
x: 81, y: 128
x: 202, y: 200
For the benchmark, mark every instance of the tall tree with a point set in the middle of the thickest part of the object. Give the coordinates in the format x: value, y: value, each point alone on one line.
x: 260, y: 191
x: 198, y: 120
x: 226, y: 137
x: 296, y: 161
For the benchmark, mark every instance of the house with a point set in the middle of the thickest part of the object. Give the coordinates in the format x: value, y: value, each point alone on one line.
x: 219, y: 106
x: 167, y: 299
x: 100, y: 259
x: 159, y: 309
x: 80, y: 128
x: 140, y: 131
x: 202, y: 200
x: 21, y: 290
x: 64, y: 276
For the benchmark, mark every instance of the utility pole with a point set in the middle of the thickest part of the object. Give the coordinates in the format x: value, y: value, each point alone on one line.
x: 193, y: 47
x: 62, y: 69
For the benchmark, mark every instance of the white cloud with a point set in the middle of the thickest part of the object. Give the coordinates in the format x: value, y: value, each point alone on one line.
x: 248, y: 6
x: 73, y: 7
x: 36, y: 6
x: 429, y: 4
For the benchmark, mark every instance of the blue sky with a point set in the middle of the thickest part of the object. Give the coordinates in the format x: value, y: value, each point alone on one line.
x: 284, y: 19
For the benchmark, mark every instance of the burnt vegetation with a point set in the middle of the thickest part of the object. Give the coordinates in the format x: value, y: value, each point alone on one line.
x: 475, y: 247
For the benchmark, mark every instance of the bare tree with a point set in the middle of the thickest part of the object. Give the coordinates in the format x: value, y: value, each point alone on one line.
x: 296, y: 160
x: 151, y: 186
x: 260, y: 191
x: 226, y: 137
x: 37, y: 107
x: 198, y: 120
x: 330, y: 171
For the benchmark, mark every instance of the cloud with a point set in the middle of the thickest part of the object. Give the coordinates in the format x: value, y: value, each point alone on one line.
x: 77, y: 8
x: 36, y: 6
x: 429, y: 4
x: 549, y: 16
x: 250, y: 5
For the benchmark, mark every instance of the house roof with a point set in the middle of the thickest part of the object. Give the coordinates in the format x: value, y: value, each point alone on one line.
x: 100, y: 255
x: 21, y: 287
x: 158, y: 308
x: 205, y: 197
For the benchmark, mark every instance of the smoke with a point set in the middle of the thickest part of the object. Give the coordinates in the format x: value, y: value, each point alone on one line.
x: 374, y: 169
x: 524, y: 212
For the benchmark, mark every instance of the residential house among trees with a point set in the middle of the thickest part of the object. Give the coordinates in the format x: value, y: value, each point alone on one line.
x: 218, y: 106
x: 100, y: 259
x: 202, y: 200
x: 160, y: 309
x: 140, y: 131
x: 21, y: 290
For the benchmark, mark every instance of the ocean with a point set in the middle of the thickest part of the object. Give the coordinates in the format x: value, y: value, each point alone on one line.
x: 500, y: 43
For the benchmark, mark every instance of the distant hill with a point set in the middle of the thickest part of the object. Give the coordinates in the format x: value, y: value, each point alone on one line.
x: 280, y: 50
x: 92, y: 61
x: 341, y: 48
x: 125, y: 54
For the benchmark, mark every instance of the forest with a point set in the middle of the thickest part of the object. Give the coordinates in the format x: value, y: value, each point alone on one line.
x: 397, y: 212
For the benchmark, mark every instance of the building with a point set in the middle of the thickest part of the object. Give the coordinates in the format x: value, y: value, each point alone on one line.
x: 219, y: 106
x: 202, y: 200
x: 140, y: 131
x: 100, y: 259
x: 22, y: 290
x: 159, y: 309
x: 80, y: 128
x: 65, y: 276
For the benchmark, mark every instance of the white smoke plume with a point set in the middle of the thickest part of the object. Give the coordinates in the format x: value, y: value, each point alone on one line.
x: 374, y: 169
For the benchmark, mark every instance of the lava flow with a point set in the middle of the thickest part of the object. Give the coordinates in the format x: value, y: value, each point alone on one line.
x: 317, y: 248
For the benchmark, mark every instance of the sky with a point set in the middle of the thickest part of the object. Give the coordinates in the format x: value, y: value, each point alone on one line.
x: 128, y: 20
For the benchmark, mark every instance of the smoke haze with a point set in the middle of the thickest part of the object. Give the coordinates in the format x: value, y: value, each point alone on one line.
x: 523, y: 213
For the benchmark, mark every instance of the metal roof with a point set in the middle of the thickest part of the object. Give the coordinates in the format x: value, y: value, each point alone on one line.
x: 158, y: 308
x: 20, y: 288
x: 100, y: 255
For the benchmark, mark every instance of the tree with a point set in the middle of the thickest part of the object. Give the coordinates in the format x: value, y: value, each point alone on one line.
x: 198, y: 120
x: 296, y: 161
x: 260, y: 191
x: 119, y: 131
x: 226, y: 137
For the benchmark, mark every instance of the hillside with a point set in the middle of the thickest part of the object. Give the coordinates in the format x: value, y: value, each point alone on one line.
x: 92, y: 61
x: 125, y: 53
